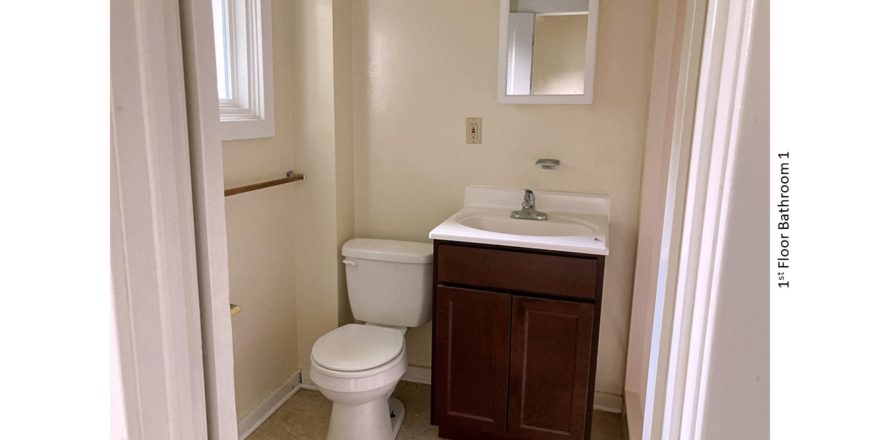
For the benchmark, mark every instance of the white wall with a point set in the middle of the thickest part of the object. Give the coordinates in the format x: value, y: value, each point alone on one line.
x: 737, y: 402
x: 420, y: 68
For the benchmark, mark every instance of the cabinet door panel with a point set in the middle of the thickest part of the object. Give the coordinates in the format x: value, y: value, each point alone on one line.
x: 472, y: 359
x: 550, y: 368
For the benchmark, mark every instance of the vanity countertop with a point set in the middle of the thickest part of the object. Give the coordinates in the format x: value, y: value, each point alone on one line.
x: 578, y: 222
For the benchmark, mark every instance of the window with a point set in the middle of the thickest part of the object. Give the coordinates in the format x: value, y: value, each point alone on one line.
x: 243, y: 44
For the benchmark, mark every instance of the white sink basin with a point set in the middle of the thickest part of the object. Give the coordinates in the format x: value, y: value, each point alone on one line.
x: 501, y: 222
x: 577, y: 222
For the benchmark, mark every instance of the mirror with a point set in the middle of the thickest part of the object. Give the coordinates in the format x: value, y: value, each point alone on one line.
x: 547, y: 51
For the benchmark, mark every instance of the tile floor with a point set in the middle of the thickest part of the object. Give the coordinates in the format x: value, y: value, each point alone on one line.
x: 306, y: 416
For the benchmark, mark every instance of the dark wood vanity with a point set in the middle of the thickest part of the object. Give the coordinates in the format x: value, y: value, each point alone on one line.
x: 515, y: 338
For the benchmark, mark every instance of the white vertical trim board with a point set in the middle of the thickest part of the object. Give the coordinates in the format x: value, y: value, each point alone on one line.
x: 673, y: 213
x: 155, y: 290
x: 210, y: 216
x: 664, y: 116
x: 257, y: 416
x: 720, y: 140
x: 681, y: 364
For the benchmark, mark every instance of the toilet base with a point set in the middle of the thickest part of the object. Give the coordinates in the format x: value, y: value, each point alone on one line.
x: 367, y: 421
x: 398, y: 411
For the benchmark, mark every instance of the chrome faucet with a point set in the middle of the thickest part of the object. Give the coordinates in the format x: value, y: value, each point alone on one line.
x: 528, y: 211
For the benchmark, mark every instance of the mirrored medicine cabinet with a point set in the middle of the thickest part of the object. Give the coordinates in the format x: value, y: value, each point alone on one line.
x: 547, y: 51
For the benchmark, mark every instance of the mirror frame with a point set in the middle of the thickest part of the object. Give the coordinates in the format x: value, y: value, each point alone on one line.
x: 589, y: 72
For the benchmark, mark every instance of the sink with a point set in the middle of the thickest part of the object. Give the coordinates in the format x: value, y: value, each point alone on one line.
x: 501, y: 222
x: 577, y: 222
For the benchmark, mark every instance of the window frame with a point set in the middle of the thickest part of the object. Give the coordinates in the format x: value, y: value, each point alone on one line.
x: 247, y: 37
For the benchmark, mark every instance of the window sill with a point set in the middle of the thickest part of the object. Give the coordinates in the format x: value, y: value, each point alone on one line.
x: 247, y: 129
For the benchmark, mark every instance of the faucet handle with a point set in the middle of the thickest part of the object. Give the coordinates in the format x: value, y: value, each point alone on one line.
x: 528, y: 199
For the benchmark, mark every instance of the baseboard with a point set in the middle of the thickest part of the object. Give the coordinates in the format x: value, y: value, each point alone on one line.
x: 608, y: 402
x: 417, y: 375
x: 253, y: 419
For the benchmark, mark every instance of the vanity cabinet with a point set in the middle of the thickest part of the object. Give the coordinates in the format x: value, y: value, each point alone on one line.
x: 514, y: 342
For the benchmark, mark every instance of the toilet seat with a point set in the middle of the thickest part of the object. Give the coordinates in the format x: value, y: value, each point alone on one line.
x: 353, y: 348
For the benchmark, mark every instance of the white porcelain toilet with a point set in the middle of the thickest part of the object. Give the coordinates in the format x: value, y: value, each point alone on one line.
x: 357, y: 366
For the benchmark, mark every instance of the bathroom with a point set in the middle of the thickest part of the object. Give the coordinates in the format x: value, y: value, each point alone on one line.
x: 384, y: 156
x: 381, y: 115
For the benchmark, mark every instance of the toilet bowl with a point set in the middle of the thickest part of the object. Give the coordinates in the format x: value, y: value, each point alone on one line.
x: 357, y: 366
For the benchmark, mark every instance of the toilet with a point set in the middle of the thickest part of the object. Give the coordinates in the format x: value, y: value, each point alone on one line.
x: 357, y: 366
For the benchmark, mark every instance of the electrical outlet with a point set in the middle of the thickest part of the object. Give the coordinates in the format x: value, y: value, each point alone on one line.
x: 474, y: 130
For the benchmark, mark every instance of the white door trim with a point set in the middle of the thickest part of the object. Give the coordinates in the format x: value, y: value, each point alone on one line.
x: 677, y: 406
x: 673, y: 213
x: 210, y: 216
x: 155, y: 291
x: 670, y: 128
x: 725, y: 82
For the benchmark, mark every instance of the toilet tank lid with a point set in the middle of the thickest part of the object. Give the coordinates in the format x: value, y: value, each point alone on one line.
x: 389, y: 250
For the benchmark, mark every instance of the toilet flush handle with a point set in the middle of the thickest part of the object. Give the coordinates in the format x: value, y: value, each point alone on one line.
x: 350, y: 262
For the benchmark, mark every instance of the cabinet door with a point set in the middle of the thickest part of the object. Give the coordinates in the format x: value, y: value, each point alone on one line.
x: 473, y: 359
x: 550, y: 369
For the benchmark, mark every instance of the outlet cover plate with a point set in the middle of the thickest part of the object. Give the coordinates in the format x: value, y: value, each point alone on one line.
x: 474, y: 130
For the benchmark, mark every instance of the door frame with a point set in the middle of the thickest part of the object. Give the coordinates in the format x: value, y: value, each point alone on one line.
x: 694, y: 229
x: 670, y: 131
x: 206, y: 149
x: 172, y: 334
x: 158, y: 381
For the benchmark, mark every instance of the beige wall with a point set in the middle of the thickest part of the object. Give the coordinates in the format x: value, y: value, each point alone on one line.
x: 370, y: 105
x: 324, y: 216
x: 420, y: 68
x: 260, y: 233
x: 342, y: 57
x: 284, y: 246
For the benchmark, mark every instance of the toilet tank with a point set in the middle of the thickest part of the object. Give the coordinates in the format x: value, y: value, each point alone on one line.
x: 389, y: 281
